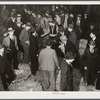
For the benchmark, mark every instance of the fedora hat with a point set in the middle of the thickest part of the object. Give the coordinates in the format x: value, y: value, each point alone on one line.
x: 3, y: 30
x: 19, y: 22
x: 28, y: 24
x: 13, y: 16
x: 53, y: 35
x: 18, y: 15
x: 61, y: 28
x: 10, y: 29
x: 47, y: 12
x: 79, y: 15
x: 70, y: 55
x: 63, y: 38
x: 71, y: 26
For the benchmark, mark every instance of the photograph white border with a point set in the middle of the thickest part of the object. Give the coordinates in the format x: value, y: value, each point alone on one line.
x: 49, y: 95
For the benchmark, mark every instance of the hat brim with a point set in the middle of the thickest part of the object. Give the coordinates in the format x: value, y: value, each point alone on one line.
x: 72, y: 57
x: 19, y: 16
x: 10, y: 31
x: 63, y: 39
x: 53, y: 35
x: 43, y: 35
x: 28, y: 26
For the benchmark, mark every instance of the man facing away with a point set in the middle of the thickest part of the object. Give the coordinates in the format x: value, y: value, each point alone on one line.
x: 48, y: 61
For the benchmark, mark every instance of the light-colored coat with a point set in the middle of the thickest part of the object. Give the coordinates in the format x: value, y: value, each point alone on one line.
x: 24, y: 36
x: 58, y: 19
x: 6, y: 42
x: 48, y: 59
x: 45, y: 25
x: 66, y: 22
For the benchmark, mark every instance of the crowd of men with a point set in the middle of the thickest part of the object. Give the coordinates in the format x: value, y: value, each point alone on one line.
x: 49, y: 41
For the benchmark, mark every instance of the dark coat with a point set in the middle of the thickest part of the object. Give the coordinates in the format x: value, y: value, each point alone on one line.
x: 62, y: 20
x: 98, y: 74
x: 78, y: 32
x: 66, y: 77
x: 54, y: 30
x: 11, y: 24
x: 17, y: 34
x: 91, y: 64
x: 1, y: 38
x: 24, y: 18
x: 33, y: 50
x: 33, y: 45
x: 17, y: 31
x: 2, y: 64
x: 6, y: 70
x: 71, y: 36
x: 32, y: 19
x: 84, y: 27
x: 70, y: 47
x: 70, y: 20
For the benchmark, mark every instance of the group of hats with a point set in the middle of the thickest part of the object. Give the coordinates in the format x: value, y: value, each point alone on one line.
x: 14, y: 15
x: 10, y: 29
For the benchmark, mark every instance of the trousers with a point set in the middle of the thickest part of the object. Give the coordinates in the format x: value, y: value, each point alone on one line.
x: 49, y: 80
x: 26, y: 53
x: 7, y: 77
x: 12, y: 56
x: 34, y: 64
x: 1, y: 85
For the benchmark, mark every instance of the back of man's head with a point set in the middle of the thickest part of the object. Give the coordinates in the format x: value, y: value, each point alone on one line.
x: 48, y: 42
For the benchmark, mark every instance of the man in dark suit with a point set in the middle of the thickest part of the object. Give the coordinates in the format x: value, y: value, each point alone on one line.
x: 12, y: 22
x: 33, y: 52
x: 2, y: 66
x: 5, y: 69
x: 66, y: 72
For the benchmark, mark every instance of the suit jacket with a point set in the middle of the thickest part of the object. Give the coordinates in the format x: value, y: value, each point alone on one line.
x: 73, y: 38
x: 24, y: 36
x: 6, y: 42
x: 32, y: 19
x: 90, y: 60
x: 4, y: 14
x: 2, y: 64
x: 48, y: 59
x: 11, y: 24
x: 33, y: 45
x: 70, y: 47
x: 71, y: 35
x: 66, y: 77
